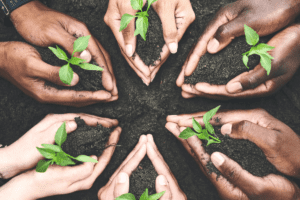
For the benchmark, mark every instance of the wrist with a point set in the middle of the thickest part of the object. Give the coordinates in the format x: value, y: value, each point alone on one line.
x: 9, y: 165
x: 24, y: 12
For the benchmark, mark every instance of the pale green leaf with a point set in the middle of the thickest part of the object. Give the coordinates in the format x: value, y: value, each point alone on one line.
x: 141, y: 27
x: 264, y: 47
x: 210, y: 128
x: 63, y: 160
x: 211, y: 141
x: 76, y: 61
x: 265, y: 62
x: 196, y: 126
x: 150, y: 2
x: 127, y: 196
x: 145, y: 195
x: 125, y: 20
x: 245, y: 60
x: 52, y: 147
x: 156, y: 196
x: 42, y: 166
x: 252, y: 37
x: 47, y: 153
x: 137, y: 4
x: 207, y: 116
x: 66, y: 74
x: 84, y: 158
x: 81, y: 44
x: 59, y: 53
x: 187, y: 133
x: 61, y: 134
x: 204, y: 135
x: 88, y: 66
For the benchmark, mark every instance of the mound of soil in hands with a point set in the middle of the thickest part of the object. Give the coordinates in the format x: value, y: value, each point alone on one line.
x: 143, y: 177
x: 86, y: 140
x: 149, y: 50
x: 220, y: 68
x: 245, y: 153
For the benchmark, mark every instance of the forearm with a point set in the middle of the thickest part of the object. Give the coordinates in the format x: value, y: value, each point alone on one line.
x: 8, y: 164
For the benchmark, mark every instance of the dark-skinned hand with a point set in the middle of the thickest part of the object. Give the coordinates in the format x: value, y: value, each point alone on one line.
x: 279, y: 143
x: 42, y: 26
x: 265, y: 17
x: 175, y: 15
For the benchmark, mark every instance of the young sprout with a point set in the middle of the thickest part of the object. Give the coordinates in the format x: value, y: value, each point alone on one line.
x: 142, y: 21
x: 144, y: 196
x: 55, y: 154
x: 66, y: 72
x: 261, y: 49
x: 203, y: 134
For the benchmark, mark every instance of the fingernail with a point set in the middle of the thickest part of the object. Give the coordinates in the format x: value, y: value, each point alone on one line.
x: 213, y: 45
x: 226, y: 129
x: 72, y: 125
x: 86, y: 56
x: 173, y: 47
x: 75, y: 79
x: 217, y: 159
x: 122, y: 178
x: 129, y: 50
x: 235, y: 87
x: 162, y: 180
x: 108, y: 95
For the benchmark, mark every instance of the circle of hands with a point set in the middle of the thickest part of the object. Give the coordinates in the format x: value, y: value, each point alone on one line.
x: 22, y: 65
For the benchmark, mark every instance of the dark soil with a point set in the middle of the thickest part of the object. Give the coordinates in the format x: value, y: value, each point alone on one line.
x: 223, y: 66
x: 86, y: 140
x: 244, y: 152
x: 149, y: 50
x: 140, y: 109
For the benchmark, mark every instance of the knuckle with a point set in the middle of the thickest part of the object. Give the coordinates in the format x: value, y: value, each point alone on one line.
x: 106, y: 19
x: 40, y: 97
x: 170, y: 33
x: 262, y: 112
x: 222, y: 31
x: 82, y: 25
x: 192, y: 17
x: 233, y: 173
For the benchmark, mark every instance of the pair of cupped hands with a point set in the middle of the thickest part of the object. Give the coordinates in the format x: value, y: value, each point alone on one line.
x: 19, y: 159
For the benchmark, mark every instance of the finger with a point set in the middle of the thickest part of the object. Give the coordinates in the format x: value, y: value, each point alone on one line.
x: 190, y: 89
x: 158, y: 63
x: 235, y: 174
x: 122, y: 184
x: 180, y: 79
x: 162, y: 185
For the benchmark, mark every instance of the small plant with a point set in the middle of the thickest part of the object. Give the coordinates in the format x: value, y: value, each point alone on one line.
x: 55, y: 154
x: 144, y: 196
x: 66, y: 72
x: 252, y: 38
x: 142, y: 21
x: 202, y: 134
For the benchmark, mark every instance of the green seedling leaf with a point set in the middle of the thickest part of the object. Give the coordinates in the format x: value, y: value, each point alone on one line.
x: 88, y: 66
x: 81, y: 44
x: 145, y: 195
x: 61, y: 134
x: 125, y: 20
x: 52, y: 147
x: 66, y: 74
x: 63, y: 160
x: 76, y: 61
x: 204, y: 135
x: 262, y: 47
x: 142, y: 14
x: 150, y: 2
x: 207, y: 116
x: 187, y: 133
x: 211, y: 141
x: 245, y: 60
x: 84, y: 158
x: 127, y: 196
x: 196, y: 126
x: 42, y: 166
x: 156, y: 196
x: 47, y: 153
x: 210, y: 128
x: 252, y: 37
x: 265, y: 63
x: 141, y: 27
x: 137, y: 4
x: 59, y: 53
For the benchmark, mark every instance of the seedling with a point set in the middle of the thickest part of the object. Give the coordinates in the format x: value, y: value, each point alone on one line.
x: 203, y: 134
x: 55, y: 154
x: 142, y: 21
x: 66, y: 72
x: 261, y: 49
x: 144, y: 196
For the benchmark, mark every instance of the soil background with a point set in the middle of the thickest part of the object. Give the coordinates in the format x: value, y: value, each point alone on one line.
x: 140, y: 109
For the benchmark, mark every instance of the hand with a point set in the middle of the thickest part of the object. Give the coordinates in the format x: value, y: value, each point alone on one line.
x: 22, y: 65
x: 119, y: 182
x: 265, y: 18
x: 23, y: 155
x: 45, y: 27
x: 176, y: 16
x: 277, y: 141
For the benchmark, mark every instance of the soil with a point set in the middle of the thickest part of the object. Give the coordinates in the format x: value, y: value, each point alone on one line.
x: 140, y: 109
x: 86, y: 140
x: 149, y: 50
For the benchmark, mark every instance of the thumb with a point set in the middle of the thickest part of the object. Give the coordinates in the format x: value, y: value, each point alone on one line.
x: 162, y: 185
x: 122, y: 184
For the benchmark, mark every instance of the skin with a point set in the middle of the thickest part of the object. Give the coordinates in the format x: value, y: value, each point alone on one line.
x: 119, y: 182
x: 22, y: 156
x: 265, y: 17
x: 175, y: 15
x: 279, y: 143
x: 42, y: 26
